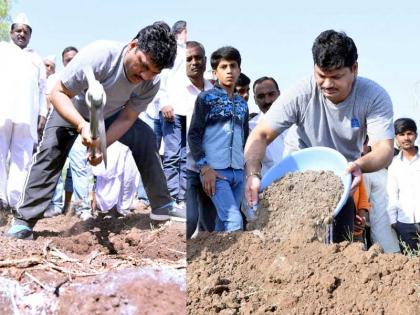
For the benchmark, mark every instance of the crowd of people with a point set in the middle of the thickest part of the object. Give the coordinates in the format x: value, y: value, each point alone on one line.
x: 186, y: 145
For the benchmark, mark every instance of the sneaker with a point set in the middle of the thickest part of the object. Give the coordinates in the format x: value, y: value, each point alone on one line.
x: 52, y: 212
x: 22, y: 232
x: 182, y: 204
x: 161, y: 214
x: 178, y: 213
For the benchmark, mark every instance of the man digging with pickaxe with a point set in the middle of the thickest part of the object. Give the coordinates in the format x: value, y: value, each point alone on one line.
x: 127, y: 74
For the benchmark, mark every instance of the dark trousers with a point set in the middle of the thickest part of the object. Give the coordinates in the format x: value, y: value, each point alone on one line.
x: 343, y: 225
x: 58, y: 138
x: 175, y: 155
x: 200, y: 208
x: 409, y: 233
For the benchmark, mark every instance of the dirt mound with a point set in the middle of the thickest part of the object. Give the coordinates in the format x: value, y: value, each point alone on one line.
x: 309, y: 198
x: 106, y: 265
x: 283, y: 268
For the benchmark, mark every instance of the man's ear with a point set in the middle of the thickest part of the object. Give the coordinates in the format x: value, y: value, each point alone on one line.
x: 355, y: 68
x: 133, y: 43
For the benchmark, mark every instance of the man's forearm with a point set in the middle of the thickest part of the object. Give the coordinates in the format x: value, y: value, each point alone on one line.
x: 379, y: 158
x: 64, y: 106
x: 254, y: 152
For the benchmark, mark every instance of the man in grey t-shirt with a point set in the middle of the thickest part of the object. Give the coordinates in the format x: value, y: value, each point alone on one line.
x: 332, y: 108
x: 127, y: 74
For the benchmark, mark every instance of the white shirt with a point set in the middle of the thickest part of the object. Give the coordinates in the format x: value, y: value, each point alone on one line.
x: 22, y: 86
x: 404, y: 189
x: 190, y: 93
x: 172, y: 82
x: 275, y: 150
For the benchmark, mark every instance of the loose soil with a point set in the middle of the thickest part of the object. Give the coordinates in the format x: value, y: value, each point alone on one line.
x: 106, y: 265
x: 282, y: 266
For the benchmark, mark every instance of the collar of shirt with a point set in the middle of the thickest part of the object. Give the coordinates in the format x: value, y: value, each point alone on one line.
x: 195, y: 90
x: 405, y: 160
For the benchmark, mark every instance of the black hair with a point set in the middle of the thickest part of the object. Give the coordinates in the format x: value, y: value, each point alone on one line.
x: 262, y: 79
x: 12, y: 27
x: 179, y: 26
x: 405, y: 124
x: 192, y: 44
x: 159, y: 43
x: 333, y: 50
x: 67, y: 49
x: 227, y: 53
x: 243, y: 80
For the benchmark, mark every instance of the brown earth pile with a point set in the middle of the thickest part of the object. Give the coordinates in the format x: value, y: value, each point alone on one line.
x: 282, y: 267
x: 107, y: 265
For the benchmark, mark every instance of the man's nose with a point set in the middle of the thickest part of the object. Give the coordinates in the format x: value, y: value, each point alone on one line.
x: 327, y: 83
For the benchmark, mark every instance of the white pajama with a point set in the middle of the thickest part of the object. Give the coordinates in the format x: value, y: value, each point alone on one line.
x: 117, y: 184
x: 380, y: 225
x: 22, y: 100
x: 14, y: 139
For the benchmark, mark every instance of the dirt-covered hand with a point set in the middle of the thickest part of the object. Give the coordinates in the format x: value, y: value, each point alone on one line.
x: 252, y: 187
x: 94, y: 153
x: 84, y: 130
x: 41, y: 125
x: 354, y: 169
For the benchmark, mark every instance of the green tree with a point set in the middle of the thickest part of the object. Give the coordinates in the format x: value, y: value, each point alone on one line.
x: 5, y: 6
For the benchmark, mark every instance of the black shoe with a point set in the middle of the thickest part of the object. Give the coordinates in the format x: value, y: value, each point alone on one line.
x: 161, y: 214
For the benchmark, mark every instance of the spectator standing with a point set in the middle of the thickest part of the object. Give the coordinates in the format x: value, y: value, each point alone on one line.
x: 201, y: 212
x: 218, y: 131
x: 404, y: 186
x: 23, y: 111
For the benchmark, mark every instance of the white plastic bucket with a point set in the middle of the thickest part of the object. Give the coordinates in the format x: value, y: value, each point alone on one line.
x: 315, y: 159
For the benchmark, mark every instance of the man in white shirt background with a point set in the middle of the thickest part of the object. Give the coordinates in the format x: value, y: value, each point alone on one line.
x: 404, y: 186
x: 23, y: 109
x: 266, y: 91
x: 173, y: 119
x: 200, y: 208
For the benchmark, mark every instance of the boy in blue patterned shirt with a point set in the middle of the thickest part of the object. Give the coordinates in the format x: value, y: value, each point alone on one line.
x: 217, y: 136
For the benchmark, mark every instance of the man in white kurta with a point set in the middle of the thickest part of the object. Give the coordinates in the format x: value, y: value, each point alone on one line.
x: 22, y: 109
x: 116, y: 185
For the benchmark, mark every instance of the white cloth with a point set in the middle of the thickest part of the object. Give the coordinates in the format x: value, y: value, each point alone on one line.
x: 404, y: 189
x: 153, y: 107
x: 275, y: 151
x: 117, y: 184
x: 173, y: 82
x: 16, y: 139
x: 51, y: 82
x: 190, y: 93
x: 22, y: 87
x: 380, y: 227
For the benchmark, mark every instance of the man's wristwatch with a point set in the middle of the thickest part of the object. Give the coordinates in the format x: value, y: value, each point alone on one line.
x: 256, y: 174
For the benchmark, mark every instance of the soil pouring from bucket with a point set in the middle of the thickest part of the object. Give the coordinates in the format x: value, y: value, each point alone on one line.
x: 282, y: 266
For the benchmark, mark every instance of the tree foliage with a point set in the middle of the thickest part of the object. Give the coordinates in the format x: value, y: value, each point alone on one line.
x: 5, y: 6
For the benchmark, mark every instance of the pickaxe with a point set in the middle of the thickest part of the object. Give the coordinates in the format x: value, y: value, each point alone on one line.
x: 96, y: 99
